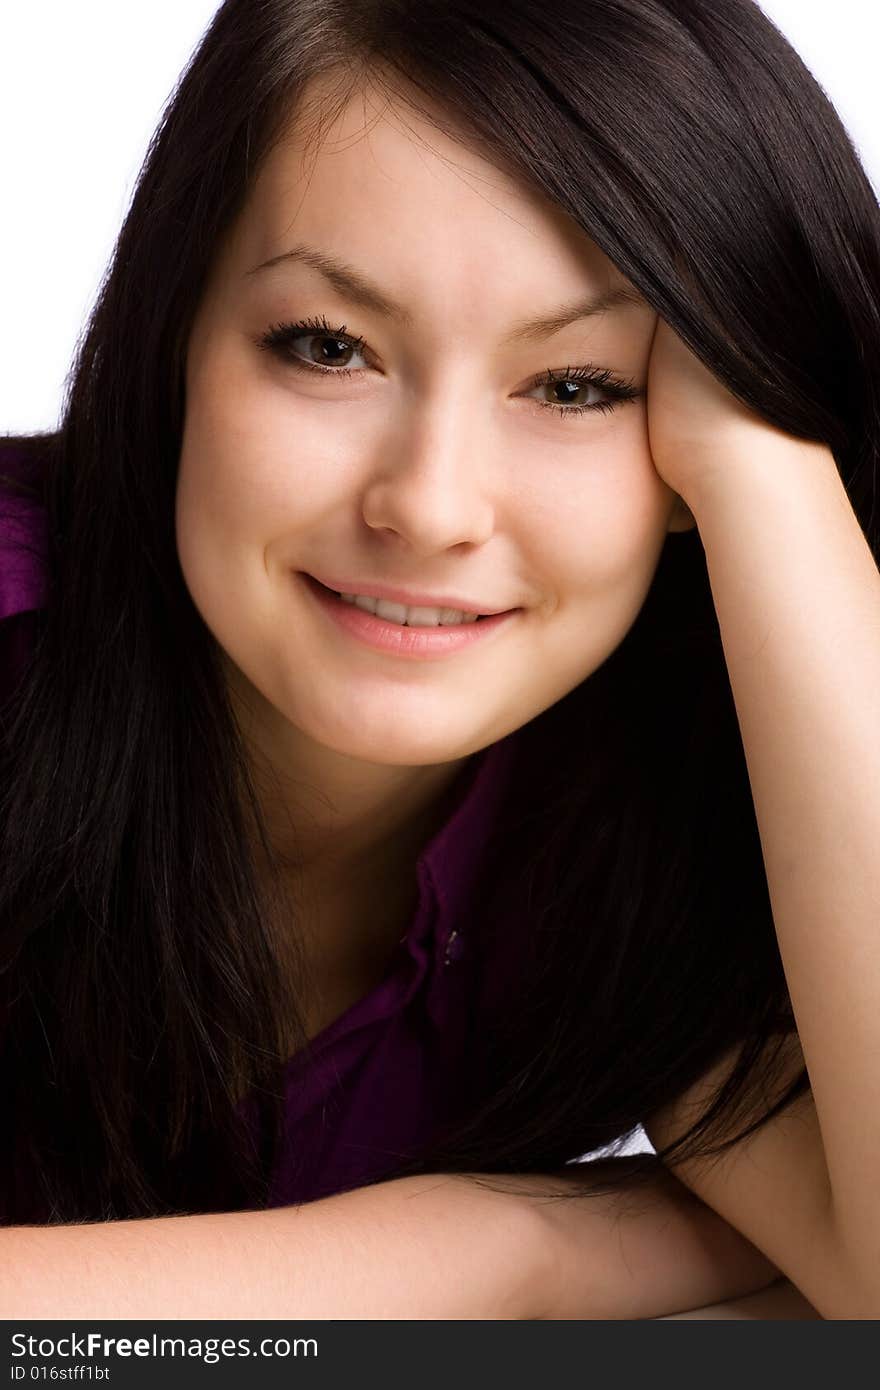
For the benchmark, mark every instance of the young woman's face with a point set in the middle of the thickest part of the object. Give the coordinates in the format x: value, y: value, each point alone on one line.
x: 436, y: 464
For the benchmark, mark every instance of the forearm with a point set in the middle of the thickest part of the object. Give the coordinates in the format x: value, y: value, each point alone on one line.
x: 427, y: 1247
x: 797, y: 594
x: 435, y: 1247
x: 779, y: 1302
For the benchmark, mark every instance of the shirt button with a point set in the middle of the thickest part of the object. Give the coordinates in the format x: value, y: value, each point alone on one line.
x: 455, y: 947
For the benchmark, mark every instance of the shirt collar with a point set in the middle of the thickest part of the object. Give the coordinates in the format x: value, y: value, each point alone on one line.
x: 450, y: 859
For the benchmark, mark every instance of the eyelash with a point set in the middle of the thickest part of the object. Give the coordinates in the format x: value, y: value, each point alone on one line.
x: 278, y: 337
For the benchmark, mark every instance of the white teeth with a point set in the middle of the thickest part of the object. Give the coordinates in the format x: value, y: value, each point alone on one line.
x: 410, y: 617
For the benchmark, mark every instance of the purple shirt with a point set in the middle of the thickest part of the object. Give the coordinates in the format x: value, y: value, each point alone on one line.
x: 373, y: 1085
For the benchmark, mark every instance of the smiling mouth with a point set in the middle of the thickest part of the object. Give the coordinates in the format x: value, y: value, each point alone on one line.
x: 335, y: 593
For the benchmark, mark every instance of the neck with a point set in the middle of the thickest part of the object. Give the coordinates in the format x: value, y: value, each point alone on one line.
x: 329, y: 813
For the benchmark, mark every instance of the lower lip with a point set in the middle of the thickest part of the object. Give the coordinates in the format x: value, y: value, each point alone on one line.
x: 417, y: 643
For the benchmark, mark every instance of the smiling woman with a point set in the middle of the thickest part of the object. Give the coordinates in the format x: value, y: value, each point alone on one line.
x: 375, y: 805
x: 425, y: 457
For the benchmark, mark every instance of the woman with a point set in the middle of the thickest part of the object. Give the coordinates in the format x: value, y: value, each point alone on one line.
x: 302, y: 906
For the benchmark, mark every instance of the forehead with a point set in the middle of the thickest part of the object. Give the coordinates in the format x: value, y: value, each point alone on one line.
x: 377, y: 167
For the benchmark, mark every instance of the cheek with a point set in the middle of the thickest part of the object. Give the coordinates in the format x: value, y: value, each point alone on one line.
x: 599, y: 550
x: 251, y: 466
x: 601, y: 519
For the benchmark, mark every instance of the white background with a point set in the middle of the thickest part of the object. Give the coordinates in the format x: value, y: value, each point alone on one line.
x: 83, y: 86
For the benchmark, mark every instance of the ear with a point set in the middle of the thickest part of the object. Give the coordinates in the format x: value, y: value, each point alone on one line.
x: 682, y: 518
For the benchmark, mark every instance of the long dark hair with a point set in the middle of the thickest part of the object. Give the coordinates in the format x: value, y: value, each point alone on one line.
x: 140, y: 994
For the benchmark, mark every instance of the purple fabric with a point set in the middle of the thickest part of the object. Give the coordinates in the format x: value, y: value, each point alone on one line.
x: 374, y: 1085
x: 22, y: 575
x: 376, y: 1082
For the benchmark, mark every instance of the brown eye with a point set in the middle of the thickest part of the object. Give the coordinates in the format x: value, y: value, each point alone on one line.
x: 569, y: 393
x: 313, y: 345
x: 568, y: 384
x: 323, y: 350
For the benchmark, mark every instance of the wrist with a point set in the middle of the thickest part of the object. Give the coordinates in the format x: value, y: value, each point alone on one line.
x: 748, y: 476
x: 507, y: 1259
x: 521, y: 1222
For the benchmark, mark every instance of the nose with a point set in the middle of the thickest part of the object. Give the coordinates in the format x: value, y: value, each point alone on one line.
x: 430, y: 488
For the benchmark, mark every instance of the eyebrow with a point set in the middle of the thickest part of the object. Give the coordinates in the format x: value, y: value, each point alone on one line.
x: 357, y: 287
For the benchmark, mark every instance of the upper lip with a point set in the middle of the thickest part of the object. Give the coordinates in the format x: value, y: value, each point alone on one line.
x: 374, y: 588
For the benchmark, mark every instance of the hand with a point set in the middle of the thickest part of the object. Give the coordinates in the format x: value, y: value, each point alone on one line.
x: 696, y: 427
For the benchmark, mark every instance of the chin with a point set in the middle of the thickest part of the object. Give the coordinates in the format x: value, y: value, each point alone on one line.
x: 414, y: 743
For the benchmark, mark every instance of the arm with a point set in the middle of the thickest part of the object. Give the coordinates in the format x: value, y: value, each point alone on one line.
x: 423, y: 1247
x: 781, y: 1302
x: 650, y: 1253
x: 436, y: 1247
x: 797, y: 595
